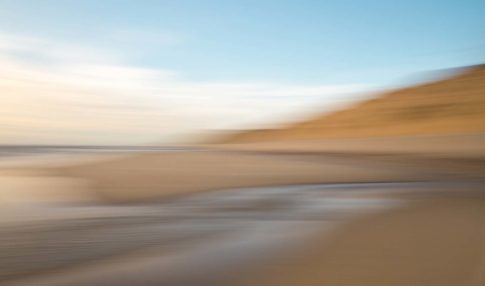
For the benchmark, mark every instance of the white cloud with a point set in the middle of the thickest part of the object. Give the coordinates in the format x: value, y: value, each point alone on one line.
x: 62, y: 93
x: 46, y: 51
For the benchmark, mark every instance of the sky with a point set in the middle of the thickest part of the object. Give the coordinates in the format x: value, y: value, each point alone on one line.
x: 130, y: 72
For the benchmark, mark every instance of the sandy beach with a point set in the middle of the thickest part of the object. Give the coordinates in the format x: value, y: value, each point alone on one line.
x: 433, y: 242
x: 139, y: 177
x: 147, y: 177
x: 331, y: 218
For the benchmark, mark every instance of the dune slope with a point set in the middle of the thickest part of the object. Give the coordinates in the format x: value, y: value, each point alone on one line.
x: 452, y: 105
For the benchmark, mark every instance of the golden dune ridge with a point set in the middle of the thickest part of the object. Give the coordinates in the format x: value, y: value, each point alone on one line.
x: 448, y: 106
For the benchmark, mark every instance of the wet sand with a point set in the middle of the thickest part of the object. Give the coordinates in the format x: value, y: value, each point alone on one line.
x: 373, y: 221
x: 238, y: 230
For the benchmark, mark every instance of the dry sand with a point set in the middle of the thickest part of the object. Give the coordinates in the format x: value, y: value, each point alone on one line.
x: 463, y: 145
x: 144, y: 177
x: 34, y: 187
x: 152, y: 176
x: 436, y: 242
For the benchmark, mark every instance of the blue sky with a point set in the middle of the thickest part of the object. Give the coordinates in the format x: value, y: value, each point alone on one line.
x: 301, y: 41
x: 321, y: 50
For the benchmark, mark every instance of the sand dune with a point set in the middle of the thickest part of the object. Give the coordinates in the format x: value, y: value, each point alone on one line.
x: 453, y: 105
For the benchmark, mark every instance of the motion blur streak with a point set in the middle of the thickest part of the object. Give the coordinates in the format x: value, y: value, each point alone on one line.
x: 242, y: 143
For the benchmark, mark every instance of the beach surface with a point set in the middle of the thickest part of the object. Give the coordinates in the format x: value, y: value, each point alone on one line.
x: 258, y: 217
